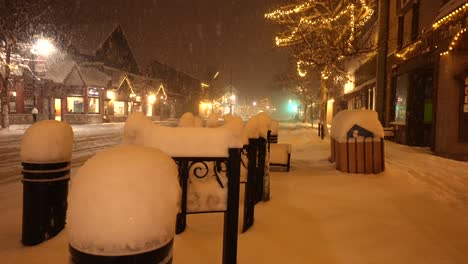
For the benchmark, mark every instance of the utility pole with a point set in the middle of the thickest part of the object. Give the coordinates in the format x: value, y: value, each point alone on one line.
x: 381, y: 78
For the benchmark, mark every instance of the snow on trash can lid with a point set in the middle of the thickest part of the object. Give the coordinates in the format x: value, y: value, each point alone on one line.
x: 346, y: 119
x: 47, y: 141
x: 123, y: 201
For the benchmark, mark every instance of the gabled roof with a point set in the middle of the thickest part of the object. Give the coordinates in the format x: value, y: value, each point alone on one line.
x: 94, y: 77
x: 59, y: 71
x: 115, y: 52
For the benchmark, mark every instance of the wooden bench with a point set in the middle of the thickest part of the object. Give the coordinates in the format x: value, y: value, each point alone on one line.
x: 280, y: 155
x: 389, y: 132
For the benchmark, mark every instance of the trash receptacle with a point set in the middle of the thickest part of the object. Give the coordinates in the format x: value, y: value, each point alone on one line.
x: 45, y: 153
x: 357, y: 144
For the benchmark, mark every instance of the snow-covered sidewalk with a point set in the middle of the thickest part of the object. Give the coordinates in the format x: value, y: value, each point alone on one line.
x: 414, y: 212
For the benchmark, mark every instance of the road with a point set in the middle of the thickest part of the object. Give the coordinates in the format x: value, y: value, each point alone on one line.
x: 88, y: 139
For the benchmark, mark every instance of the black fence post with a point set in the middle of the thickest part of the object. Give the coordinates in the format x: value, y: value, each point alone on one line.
x: 45, y: 190
x: 181, y: 221
x: 249, y: 199
x: 231, y: 215
x: 260, y: 169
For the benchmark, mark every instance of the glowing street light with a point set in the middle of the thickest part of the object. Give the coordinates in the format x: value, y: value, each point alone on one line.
x: 43, y: 47
x: 151, y: 98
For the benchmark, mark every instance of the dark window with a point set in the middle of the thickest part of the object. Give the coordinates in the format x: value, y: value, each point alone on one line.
x: 401, y: 20
x: 415, y: 21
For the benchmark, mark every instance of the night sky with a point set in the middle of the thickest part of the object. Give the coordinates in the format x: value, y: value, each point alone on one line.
x: 195, y: 36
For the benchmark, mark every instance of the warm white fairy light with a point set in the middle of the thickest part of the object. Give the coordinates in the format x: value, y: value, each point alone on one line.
x: 403, y: 54
x: 293, y: 36
x: 300, y: 71
x: 297, y: 9
x: 454, y: 42
x: 453, y: 15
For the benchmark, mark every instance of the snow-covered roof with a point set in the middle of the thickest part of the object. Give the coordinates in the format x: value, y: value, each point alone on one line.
x: 60, y: 70
x: 94, y: 77
x: 449, y: 7
x: 346, y: 119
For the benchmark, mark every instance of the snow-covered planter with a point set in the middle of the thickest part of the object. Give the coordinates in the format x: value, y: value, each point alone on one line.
x: 123, y: 204
x: 46, y: 150
x: 357, y: 144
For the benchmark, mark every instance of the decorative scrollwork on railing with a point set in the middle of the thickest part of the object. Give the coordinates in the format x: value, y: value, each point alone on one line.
x: 220, y: 167
x: 244, y: 156
x: 199, y: 169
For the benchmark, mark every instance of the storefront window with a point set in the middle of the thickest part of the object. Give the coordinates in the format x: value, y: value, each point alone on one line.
x: 119, y: 108
x: 12, y: 103
x: 401, y: 95
x: 75, y: 104
x: 93, y: 106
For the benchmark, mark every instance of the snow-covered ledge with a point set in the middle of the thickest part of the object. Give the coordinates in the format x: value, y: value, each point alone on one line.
x: 190, y: 141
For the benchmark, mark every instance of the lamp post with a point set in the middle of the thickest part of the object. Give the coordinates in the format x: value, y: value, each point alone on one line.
x: 40, y: 50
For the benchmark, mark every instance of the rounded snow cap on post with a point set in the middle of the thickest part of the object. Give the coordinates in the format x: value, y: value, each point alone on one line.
x: 123, y: 201
x: 198, y: 122
x: 212, y: 120
x: 264, y: 124
x: 47, y: 141
x: 346, y: 119
x: 136, y: 123
x: 227, y: 117
x: 187, y: 120
x: 234, y: 124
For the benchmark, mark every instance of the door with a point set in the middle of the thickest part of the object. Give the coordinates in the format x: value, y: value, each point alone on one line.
x: 419, y: 131
x: 58, y: 109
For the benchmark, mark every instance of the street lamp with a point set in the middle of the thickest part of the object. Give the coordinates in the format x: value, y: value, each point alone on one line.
x: 43, y: 47
x: 40, y: 50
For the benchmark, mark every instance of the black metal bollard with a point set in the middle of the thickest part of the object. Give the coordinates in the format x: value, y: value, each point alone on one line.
x: 162, y: 255
x: 45, y: 189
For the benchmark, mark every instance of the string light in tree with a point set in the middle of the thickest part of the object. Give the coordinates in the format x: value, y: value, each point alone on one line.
x: 292, y: 37
x: 454, y: 42
x: 301, y: 72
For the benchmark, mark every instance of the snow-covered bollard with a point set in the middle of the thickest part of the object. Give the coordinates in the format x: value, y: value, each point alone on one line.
x: 46, y: 150
x: 123, y: 204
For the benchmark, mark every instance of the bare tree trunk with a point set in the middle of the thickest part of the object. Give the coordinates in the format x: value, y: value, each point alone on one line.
x: 4, y: 103
x: 4, y: 89
x: 324, y: 102
x: 306, y: 114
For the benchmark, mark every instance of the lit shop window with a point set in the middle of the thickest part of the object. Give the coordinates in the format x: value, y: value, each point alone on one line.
x: 119, y: 108
x: 93, y: 106
x: 75, y: 104
x: 12, y: 102
x: 401, y: 94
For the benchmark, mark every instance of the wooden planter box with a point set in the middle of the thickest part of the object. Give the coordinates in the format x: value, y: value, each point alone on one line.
x: 359, y: 155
